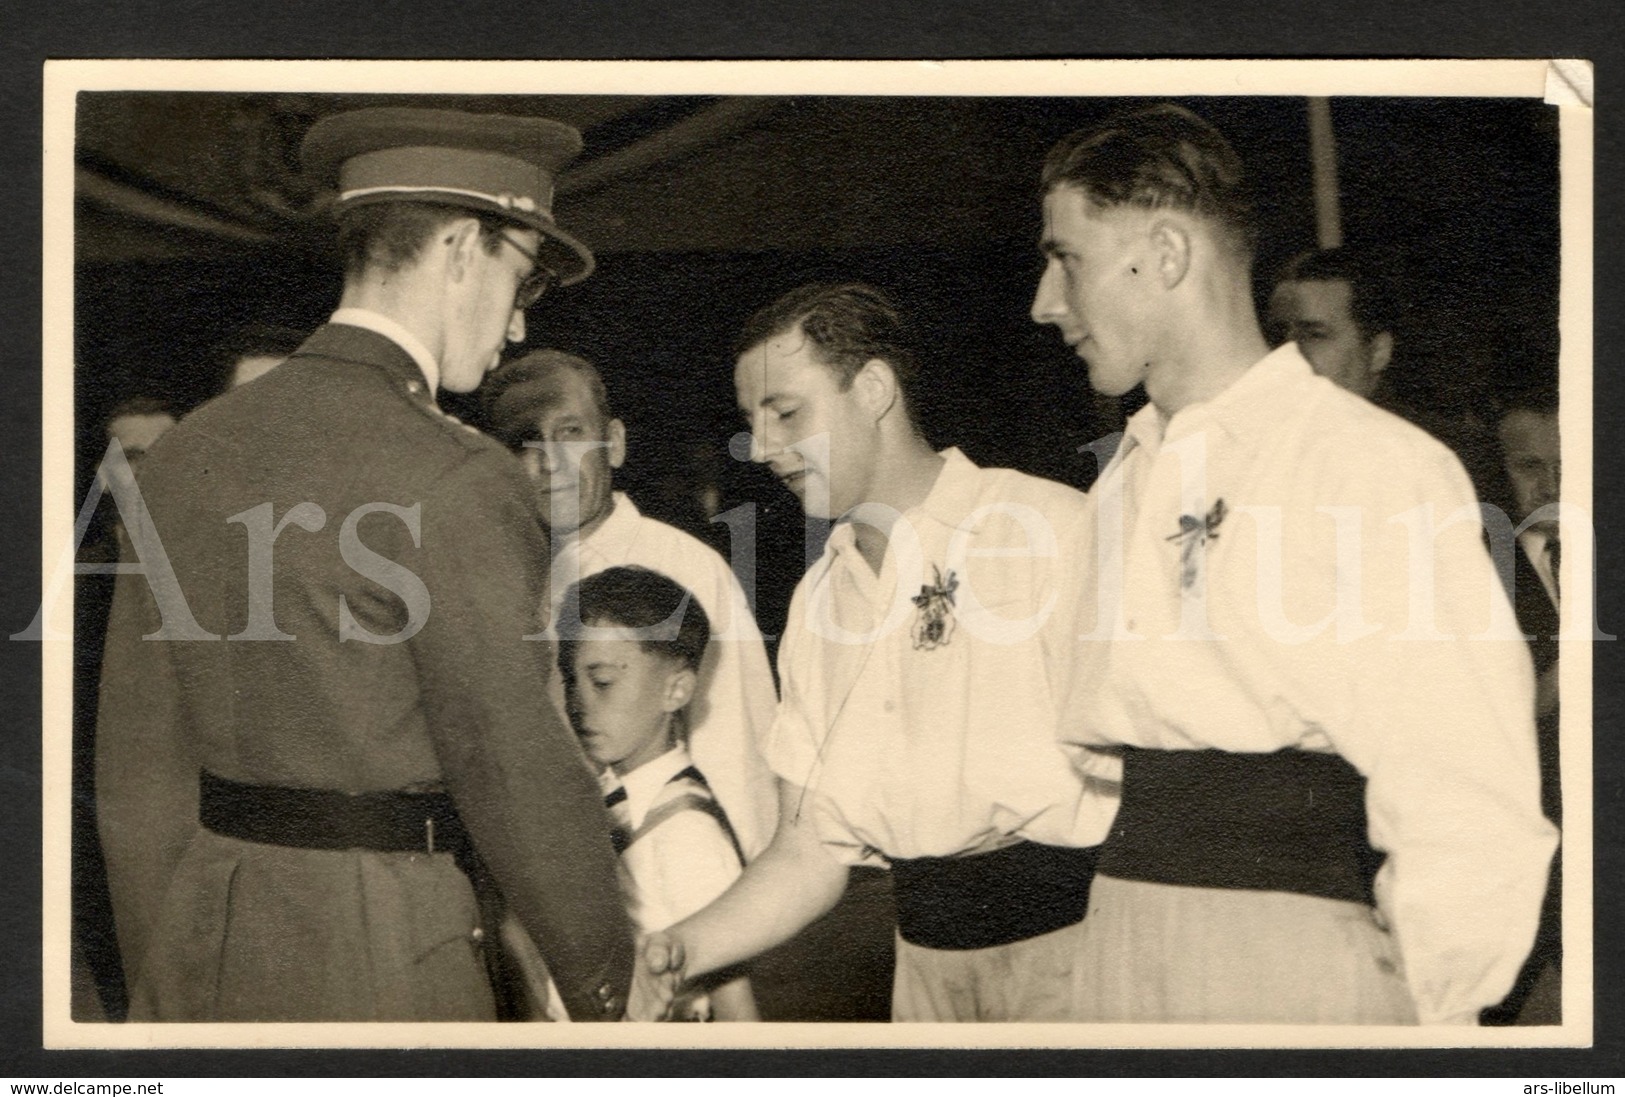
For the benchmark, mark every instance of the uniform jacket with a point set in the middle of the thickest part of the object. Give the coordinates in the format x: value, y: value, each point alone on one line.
x: 320, y: 670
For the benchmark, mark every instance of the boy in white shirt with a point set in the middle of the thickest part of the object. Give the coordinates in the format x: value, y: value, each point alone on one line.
x: 631, y: 642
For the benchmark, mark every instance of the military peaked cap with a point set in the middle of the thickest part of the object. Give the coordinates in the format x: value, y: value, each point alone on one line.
x: 492, y: 163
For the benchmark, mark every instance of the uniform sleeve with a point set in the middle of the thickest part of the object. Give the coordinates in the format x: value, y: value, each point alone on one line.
x: 516, y: 772
x: 1440, y: 720
x: 146, y: 775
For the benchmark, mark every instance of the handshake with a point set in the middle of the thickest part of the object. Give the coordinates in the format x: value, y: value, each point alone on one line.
x: 657, y: 980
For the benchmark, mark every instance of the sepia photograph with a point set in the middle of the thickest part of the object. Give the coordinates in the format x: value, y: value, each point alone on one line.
x: 891, y: 554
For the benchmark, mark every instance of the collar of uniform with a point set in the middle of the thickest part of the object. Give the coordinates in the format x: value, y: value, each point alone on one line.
x: 396, y: 333
x: 366, y: 347
x: 643, y: 784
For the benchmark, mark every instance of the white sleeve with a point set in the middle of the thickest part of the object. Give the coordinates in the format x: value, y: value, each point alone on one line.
x: 1441, y: 724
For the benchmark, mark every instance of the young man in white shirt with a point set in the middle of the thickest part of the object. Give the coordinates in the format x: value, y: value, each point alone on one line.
x: 924, y: 671
x: 1296, y: 642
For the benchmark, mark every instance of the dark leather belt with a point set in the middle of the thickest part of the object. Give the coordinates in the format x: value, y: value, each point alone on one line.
x: 1292, y: 820
x: 384, y: 822
x: 317, y: 818
x: 989, y: 899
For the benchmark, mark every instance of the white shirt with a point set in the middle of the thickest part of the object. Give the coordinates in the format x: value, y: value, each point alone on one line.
x: 395, y: 333
x: 917, y: 742
x: 733, y: 704
x: 1533, y: 542
x: 683, y: 863
x: 1442, y: 728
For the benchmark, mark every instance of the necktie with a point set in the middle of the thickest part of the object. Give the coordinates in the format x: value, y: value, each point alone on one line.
x: 620, y: 818
x: 1554, y: 557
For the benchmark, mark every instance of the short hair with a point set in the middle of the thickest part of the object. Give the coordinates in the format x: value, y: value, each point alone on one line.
x: 849, y: 323
x: 514, y: 393
x: 1158, y: 157
x: 669, y: 619
x: 390, y: 236
x: 1535, y: 399
x: 138, y: 405
x: 1372, y: 300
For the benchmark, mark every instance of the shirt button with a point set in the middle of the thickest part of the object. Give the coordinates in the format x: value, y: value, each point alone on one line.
x: 1386, y: 966
x: 476, y: 935
x: 414, y: 387
x: 890, y: 706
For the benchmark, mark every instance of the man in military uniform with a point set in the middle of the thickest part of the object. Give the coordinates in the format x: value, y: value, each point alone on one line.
x: 310, y: 738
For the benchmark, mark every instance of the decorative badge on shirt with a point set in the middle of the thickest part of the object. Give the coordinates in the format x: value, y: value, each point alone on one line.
x: 1194, y: 533
x: 934, y: 623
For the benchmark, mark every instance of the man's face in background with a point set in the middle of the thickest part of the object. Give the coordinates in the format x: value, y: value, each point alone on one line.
x: 1319, y: 317
x: 1530, y: 448
x: 570, y: 455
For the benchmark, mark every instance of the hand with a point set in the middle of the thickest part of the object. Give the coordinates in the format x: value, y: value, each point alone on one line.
x: 656, y: 978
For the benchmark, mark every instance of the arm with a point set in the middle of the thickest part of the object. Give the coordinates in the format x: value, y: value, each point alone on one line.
x: 793, y: 883
x: 516, y: 772
x: 1442, y: 728
x: 734, y: 1002
x: 146, y: 774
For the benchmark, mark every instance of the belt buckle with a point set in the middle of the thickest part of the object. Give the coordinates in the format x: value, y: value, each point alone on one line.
x: 428, y: 835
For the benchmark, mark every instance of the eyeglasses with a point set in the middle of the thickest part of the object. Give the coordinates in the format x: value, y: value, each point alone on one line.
x: 537, y: 282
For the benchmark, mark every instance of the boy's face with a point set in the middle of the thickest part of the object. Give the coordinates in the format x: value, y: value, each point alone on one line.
x: 620, y: 699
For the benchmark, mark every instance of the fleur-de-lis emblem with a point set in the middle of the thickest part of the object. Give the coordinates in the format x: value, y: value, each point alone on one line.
x: 1194, y: 533
x: 934, y: 623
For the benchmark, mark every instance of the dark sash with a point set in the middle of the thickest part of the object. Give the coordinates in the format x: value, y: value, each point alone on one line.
x: 989, y: 899
x: 1293, y: 820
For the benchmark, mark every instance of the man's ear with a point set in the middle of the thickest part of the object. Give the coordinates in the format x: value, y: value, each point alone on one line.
x: 680, y: 685
x: 1170, y: 240
x: 616, y: 437
x: 1382, y: 350
x: 464, y: 244
x: 876, y: 385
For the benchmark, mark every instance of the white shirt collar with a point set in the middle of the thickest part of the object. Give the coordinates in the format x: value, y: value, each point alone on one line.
x: 643, y: 784
x: 1244, y: 408
x: 951, y: 493
x: 395, y: 333
x: 613, y: 537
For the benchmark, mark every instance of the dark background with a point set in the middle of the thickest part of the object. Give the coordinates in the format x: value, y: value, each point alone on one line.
x: 953, y: 28
x: 192, y: 219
